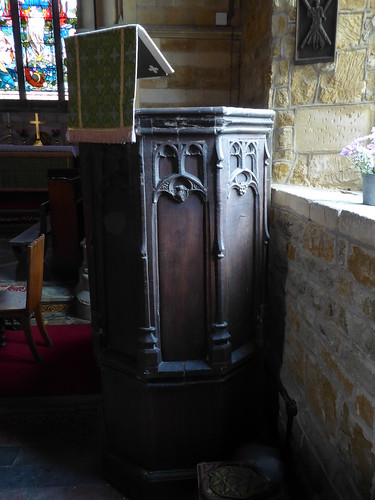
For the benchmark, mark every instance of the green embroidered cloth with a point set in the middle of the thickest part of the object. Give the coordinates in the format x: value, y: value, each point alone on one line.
x: 102, y: 73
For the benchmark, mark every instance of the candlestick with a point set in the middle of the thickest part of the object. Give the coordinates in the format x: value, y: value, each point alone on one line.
x: 9, y: 126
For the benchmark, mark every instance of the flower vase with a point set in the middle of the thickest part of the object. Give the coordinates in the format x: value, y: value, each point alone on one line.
x: 368, y: 188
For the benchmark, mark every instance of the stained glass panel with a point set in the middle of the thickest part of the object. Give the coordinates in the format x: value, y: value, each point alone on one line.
x: 8, y: 70
x: 68, y: 26
x: 38, y: 46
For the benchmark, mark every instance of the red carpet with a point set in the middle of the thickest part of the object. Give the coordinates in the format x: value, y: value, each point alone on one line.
x: 68, y: 367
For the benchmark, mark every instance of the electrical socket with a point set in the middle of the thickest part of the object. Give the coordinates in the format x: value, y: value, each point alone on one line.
x: 221, y: 19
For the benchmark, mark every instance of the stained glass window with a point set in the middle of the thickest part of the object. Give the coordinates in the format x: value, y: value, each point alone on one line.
x: 32, y: 54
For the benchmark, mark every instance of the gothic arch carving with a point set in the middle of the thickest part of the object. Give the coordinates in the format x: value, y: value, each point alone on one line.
x: 193, y: 160
x: 182, y: 172
x: 166, y: 161
x: 243, y: 165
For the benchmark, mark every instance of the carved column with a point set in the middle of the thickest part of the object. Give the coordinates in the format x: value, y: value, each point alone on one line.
x: 220, y: 345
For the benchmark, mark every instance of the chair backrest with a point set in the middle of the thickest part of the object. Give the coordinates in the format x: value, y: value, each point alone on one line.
x: 35, y: 261
x: 66, y: 223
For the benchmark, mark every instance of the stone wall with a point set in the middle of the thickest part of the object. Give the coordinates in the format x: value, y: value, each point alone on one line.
x: 256, y: 46
x: 322, y: 277
x: 223, y: 65
x: 205, y: 56
x: 322, y: 107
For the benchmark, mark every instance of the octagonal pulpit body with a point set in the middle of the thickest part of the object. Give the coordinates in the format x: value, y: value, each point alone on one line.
x: 177, y: 247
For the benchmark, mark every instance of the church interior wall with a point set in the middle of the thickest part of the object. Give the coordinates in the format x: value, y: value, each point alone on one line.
x: 321, y: 285
x: 205, y: 55
x: 256, y: 55
x: 320, y: 108
x: 322, y: 256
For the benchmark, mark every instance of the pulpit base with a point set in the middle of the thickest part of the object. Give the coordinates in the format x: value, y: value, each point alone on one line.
x: 159, y: 430
x: 141, y: 484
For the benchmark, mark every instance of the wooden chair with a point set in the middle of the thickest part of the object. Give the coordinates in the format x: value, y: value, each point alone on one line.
x: 21, y: 305
x: 27, y: 236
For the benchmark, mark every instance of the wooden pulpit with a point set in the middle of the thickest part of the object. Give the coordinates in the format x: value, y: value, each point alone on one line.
x: 176, y: 230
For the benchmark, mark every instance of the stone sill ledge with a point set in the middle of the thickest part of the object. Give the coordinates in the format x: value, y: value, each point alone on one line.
x: 339, y: 211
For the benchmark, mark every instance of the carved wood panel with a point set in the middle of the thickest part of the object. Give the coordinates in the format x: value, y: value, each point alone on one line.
x: 183, y: 241
x: 179, y: 222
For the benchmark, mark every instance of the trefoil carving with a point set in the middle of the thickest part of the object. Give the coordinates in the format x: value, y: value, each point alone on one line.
x: 243, y: 167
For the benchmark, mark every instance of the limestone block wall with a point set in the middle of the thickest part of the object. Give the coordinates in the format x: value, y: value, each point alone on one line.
x: 322, y: 278
x: 205, y: 56
x: 322, y: 107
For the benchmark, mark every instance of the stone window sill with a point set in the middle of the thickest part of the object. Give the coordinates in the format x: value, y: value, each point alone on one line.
x: 338, y: 211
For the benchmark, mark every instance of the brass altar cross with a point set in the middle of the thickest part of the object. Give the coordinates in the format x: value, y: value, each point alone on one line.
x: 36, y: 122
